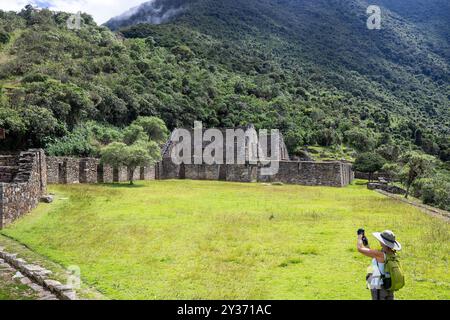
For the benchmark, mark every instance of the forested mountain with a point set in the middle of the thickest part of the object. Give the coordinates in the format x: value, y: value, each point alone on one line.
x: 319, y: 53
x: 308, y: 67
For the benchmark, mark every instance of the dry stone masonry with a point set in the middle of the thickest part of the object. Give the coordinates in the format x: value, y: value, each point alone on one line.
x: 23, y: 180
x: 24, y: 176
x: 310, y: 173
x: 334, y: 174
x: 65, y: 170
x: 37, y: 278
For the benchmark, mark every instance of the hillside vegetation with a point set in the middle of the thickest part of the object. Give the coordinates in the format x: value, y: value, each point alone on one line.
x: 309, y: 68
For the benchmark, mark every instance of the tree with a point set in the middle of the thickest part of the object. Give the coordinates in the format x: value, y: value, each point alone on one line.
x: 390, y: 152
x: 11, y: 120
x: 4, y: 36
x: 41, y: 124
x: 154, y: 127
x: 360, y: 139
x: 183, y: 52
x: 141, y: 153
x: 434, y: 190
x: 137, y: 155
x: 392, y: 170
x: 326, y: 137
x: 369, y: 163
x: 27, y: 12
x: 114, y: 154
x: 415, y: 165
x: 134, y: 133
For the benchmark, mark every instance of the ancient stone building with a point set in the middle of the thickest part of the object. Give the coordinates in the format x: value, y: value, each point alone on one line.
x: 24, y: 176
x: 23, y: 180
x: 334, y: 174
x: 310, y: 173
x: 248, y: 147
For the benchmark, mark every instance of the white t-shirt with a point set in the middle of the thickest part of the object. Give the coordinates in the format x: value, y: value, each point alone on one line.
x: 375, y: 281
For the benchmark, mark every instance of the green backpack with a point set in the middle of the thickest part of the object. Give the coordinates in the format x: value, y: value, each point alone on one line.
x: 393, y: 267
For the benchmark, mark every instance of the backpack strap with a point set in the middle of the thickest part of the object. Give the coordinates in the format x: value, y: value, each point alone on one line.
x: 378, y: 266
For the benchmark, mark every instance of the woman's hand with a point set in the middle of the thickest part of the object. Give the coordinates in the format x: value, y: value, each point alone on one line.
x: 367, y: 251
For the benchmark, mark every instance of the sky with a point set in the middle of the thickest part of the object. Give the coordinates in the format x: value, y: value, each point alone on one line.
x: 101, y: 10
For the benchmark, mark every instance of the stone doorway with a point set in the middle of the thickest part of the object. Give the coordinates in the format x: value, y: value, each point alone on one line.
x: 182, y: 174
x: 223, y: 172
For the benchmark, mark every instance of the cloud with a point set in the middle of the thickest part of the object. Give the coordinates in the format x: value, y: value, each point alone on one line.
x: 101, y: 10
x: 154, y: 14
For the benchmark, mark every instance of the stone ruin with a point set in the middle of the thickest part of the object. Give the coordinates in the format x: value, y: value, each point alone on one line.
x: 23, y: 180
x: 24, y: 176
x: 66, y: 170
x: 309, y: 173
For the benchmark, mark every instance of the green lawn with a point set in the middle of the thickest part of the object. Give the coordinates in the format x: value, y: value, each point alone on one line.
x: 213, y: 240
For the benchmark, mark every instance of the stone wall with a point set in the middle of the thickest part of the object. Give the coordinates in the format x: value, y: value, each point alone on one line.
x: 385, y: 187
x: 147, y: 173
x: 120, y: 174
x: 89, y: 170
x: 200, y: 172
x: 168, y: 170
x: 24, y: 177
x: 336, y: 174
x: 22, y: 194
x: 8, y: 167
x: 65, y: 170
x: 348, y: 175
x: 54, y: 168
x: 105, y: 174
x: 375, y: 175
x: 241, y: 173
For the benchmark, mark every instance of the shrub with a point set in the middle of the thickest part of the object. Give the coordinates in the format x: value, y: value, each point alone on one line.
x: 360, y: 139
x: 4, y: 37
x: 34, y: 77
x: 434, y: 191
x: 369, y: 163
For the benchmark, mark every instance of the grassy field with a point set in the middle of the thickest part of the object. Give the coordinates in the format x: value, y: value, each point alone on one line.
x: 213, y: 240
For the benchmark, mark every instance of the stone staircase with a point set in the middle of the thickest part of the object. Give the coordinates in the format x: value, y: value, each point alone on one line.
x: 9, y: 167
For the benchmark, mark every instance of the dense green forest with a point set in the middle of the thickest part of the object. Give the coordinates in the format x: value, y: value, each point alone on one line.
x: 309, y: 68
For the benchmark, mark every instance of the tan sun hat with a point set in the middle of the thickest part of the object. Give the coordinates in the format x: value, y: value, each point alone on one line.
x: 388, y: 239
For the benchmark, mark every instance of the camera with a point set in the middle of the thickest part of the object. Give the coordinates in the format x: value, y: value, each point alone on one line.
x: 364, y: 239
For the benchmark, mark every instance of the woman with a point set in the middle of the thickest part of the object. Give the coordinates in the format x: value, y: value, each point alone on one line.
x: 375, y: 279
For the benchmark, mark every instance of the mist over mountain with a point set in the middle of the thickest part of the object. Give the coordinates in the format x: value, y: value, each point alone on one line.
x: 153, y: 12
